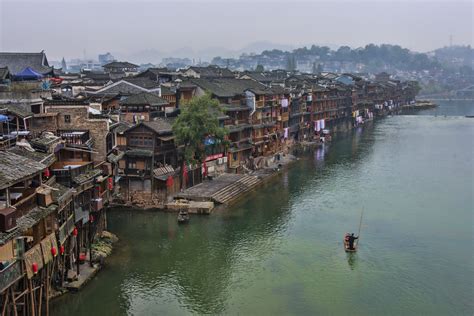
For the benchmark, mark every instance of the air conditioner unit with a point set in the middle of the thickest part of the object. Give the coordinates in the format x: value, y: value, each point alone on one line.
x: 219, y: 161
x: 224, y: 159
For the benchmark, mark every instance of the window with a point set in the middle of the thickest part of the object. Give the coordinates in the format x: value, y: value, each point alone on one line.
x: 67, y: 118
x: 132, y: 165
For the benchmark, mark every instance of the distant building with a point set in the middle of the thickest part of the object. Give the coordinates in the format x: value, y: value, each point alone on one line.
x: 106, y: 58
x: 208, y: 72
x: 63, y: 65
x: 121, y: 69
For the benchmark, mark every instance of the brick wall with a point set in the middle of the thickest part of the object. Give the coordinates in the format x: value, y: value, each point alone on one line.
x: 98, y: 128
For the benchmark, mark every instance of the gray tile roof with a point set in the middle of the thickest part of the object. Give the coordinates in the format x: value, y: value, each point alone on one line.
x: 17, y: 62
x: 160, y: 126
x: 144, y: 98
x: 122, y: 87
x: 15, y: 168
x: 143, y: 82
x: 120, y: 64
x: 231, y: 87
x: 26, y: 222
x: 213, y: 72
x: 19, y: 109
x: 44, y: 158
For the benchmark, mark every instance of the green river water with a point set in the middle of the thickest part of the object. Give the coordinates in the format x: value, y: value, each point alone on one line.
x: 279, y: 251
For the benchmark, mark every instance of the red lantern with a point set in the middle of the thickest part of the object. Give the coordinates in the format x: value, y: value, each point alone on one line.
x: 34, y: 267
x: 204, y: 166
x: 91, y: 218
x: 169, y: 181
x: 111, y: 183
x: 47, y: 173
x: 61, y: 250
x: 74, y: 232
x: 54, y: 251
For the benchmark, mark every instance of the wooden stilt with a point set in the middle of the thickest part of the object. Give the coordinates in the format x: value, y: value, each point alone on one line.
x: 32, y: 297
x: 5, y: 302
x: 40, y: 296
x: 15, y: 312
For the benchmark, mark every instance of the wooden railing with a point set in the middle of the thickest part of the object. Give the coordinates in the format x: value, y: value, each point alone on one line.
x: 10, y: 275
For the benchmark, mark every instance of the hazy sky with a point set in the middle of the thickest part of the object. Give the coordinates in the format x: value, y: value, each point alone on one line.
x: 128, y: 28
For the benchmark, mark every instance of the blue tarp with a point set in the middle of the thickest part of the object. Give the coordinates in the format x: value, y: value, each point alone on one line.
x: 28, y: 74
x: 3, y: 118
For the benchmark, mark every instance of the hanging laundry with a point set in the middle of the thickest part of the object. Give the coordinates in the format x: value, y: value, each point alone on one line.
x: 284, y: 103
x: 317, y: 126
x: 323, y: 124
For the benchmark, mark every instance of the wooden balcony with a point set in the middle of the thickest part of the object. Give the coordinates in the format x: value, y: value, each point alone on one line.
x: 10, y: 275
x: 27, y: 203
x: 65, y: 171
x: 75, y: 137
x: 66, y: 229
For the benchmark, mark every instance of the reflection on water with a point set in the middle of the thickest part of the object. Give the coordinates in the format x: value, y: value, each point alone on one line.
x: 352, y: 260
x: 279, y: 250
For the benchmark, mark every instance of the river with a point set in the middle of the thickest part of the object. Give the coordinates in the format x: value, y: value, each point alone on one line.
x: 279, y: 250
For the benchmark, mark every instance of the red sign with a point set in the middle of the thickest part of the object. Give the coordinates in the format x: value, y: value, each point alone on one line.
x: 214, y: 157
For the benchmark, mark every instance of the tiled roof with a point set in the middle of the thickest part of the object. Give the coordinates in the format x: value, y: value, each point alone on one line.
x: 160, y: 126
x: 114, y: 158
x: 144, y: 98
x: 19, y: 109
x: 120, y: 127
x: 26, y: 222
x: 213, y: 72
x: 230, y: 87
x: 86, y: 176
x: 43, y: 158
x: 163, y: 171
x: 120, y: 64
x: 143, y: 82
x: 15, y: 168
x: 17, y: 62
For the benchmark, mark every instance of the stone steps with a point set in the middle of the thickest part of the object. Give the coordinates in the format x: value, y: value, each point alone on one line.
x: 232, y: 191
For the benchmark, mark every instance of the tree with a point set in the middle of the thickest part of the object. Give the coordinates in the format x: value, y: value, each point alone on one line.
x: 259, y: 68
x: 197, y: 123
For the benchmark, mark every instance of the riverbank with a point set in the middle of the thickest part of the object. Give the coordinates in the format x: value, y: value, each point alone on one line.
x: 91, y: 264
x: 277, y: 249
x: 420, y: 105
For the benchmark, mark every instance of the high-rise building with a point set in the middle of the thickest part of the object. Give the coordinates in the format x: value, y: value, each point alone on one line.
x: 106, y: 58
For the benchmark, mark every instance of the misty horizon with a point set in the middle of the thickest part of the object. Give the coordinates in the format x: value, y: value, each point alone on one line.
x: 149, y: 31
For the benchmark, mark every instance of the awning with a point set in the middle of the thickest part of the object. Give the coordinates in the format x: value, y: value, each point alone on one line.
x: 166, y: 138
x: 28, y: 74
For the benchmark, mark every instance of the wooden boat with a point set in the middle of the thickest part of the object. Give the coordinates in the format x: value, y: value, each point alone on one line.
x: 346, y: 246
x: 183, y: 217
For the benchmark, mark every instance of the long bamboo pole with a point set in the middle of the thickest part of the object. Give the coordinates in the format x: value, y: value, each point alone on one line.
x: 360, y: 225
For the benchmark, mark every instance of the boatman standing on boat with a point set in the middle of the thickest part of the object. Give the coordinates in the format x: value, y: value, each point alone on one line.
x: 351, y: 241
